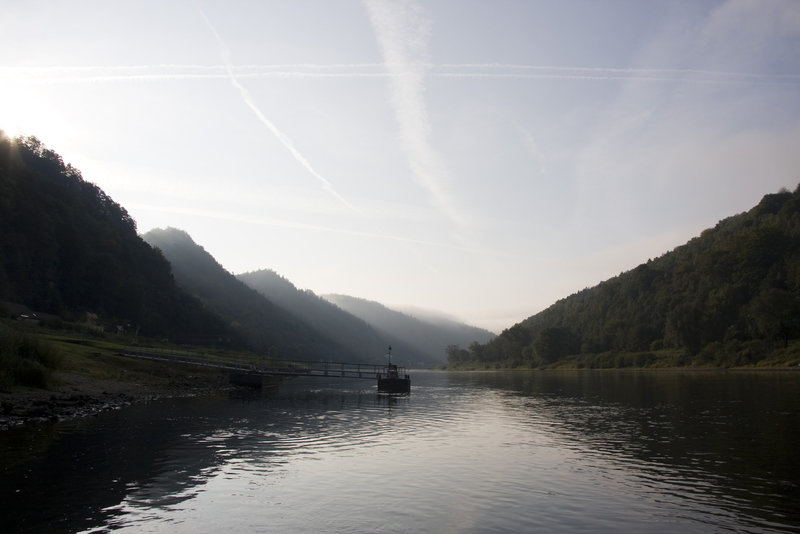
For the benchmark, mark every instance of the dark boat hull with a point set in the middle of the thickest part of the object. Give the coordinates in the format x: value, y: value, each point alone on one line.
x: 394, y: 385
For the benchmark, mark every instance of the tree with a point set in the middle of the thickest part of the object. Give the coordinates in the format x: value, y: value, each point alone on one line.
x: 554, y: 343
x: 774, y: 315
x: 456, y: 355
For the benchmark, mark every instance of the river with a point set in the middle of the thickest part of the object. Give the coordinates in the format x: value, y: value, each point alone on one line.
x: 588, y: 451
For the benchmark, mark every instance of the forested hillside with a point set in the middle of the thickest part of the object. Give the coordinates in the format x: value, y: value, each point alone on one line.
x: 267, y: 328
x: 361, y: 340
x: 728, y: 297
x: 68, y: 250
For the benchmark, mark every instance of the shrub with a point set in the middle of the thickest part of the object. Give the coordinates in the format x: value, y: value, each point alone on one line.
x: 25, y: 360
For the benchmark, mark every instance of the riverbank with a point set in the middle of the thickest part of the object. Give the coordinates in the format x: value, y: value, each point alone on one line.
x: 80, y: 373
x: 77, y: 395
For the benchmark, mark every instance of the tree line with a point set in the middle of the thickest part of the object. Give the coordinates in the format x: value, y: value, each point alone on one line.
x: 729, y: 297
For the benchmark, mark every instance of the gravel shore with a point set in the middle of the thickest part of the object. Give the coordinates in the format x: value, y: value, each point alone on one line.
x: 80, y: 396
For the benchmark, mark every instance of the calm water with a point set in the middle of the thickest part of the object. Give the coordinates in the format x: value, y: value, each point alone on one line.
x: 484, y: 452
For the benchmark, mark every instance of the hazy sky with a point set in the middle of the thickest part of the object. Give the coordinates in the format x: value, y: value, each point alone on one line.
x: 483, y: 158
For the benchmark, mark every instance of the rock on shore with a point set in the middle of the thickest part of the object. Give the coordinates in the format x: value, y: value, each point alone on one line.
x: 81, y: 396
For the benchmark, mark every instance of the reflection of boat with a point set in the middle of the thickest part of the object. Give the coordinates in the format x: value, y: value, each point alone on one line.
x: 394, y: 379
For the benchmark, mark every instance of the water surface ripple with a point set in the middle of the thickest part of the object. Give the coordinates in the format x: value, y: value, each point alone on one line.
x: 465, y: 452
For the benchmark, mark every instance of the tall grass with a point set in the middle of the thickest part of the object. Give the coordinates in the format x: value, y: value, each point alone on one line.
x: 26, y: 360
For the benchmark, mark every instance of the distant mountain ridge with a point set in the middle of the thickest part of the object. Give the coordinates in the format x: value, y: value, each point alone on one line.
x: 275, y: 317
x: 431, y: 335
x: 267, y: 327
x: 356, y: 336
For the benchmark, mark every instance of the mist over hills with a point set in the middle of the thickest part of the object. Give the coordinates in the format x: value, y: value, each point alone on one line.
x: 359, y: 337
x: 728, y: 297
x: 276, y: 318
x: 431, y: 334
x: 266, y: 327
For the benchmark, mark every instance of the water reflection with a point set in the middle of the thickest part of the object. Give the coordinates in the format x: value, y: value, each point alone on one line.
x: 728, y: 440
x: 470, y: 452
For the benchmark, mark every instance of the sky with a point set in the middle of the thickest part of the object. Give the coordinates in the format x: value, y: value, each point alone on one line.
x: 480, y: 158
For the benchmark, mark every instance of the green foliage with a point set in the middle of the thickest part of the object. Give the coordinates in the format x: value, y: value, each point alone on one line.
x: 25, y: 360
x: 554, y: 343
x: 456, y: 355
x: 730, y: 297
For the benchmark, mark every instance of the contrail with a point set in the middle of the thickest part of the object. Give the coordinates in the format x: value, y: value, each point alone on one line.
x: 99, y: 74
x: 283, y: 138
x: 402, y: 34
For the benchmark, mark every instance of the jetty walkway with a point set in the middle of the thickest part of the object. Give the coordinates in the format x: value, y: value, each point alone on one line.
x: 271, y: 367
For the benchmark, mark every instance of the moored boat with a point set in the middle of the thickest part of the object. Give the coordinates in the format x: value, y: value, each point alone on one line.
x: 394, y: 379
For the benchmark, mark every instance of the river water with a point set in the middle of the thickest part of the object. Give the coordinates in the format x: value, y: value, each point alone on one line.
x: 464, y: 452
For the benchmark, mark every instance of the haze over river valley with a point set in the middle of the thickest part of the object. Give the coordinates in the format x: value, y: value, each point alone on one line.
x: 608, y: 451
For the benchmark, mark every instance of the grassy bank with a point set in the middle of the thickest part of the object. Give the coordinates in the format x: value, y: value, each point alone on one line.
x: 26, y: 359
x: 752, y: 355
x: 38, y: 357
x: 49, y: 374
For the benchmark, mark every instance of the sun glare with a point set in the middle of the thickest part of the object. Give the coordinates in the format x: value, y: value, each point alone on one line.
x: 9, y: 124
x: 22, y: 111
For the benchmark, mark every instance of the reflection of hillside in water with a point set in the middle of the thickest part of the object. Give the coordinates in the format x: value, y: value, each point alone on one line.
x: 691, y: 448
x: 718, y: 437
x: 161, y: 454
x: 94, y: 464
x: 257, y: 436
